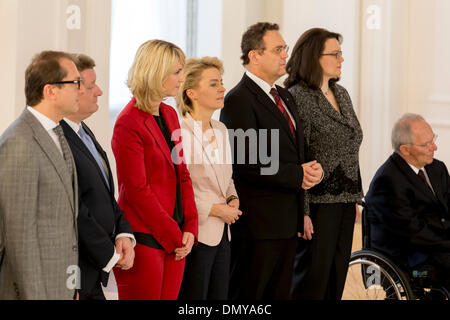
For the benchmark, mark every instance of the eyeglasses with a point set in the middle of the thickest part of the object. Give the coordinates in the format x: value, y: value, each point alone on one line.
x: 427, y: 144
x: 337, y: 55
x: 278, y: 50
x: 77, y: 82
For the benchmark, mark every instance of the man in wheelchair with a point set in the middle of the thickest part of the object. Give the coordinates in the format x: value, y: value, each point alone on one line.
x: 408, y: 204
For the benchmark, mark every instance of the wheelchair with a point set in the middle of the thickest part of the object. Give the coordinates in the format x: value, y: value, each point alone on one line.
x: 372, y: 275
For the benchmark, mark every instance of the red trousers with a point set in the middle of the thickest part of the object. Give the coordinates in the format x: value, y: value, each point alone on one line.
x: 155, y: 275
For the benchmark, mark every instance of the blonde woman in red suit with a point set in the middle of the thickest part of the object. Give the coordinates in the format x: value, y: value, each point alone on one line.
x: 155, y: 190
x: 207, y: 151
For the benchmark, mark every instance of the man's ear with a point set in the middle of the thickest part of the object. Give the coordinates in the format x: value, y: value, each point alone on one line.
x: 404, y: 150
x: 253, y: 56
x: 48, y: 93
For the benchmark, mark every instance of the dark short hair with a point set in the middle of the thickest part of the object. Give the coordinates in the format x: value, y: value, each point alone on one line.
x: 304, y: 62
x: 252, y: 39
x: 44, y: 68
x: 83, y: 62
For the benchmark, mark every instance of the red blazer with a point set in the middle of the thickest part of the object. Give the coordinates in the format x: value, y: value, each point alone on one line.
x: 147, y: 179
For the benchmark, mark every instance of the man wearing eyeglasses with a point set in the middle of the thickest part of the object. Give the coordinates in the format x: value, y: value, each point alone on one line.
x: 409, y: 198
x: 38, y: 187
x: 105, y: 237
x: 264, y: 239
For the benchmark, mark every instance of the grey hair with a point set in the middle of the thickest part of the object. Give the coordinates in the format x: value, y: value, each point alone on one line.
x: 401, y: 132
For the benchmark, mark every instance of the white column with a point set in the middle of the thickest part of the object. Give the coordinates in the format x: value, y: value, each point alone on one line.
x: 383, y: 78
x: 8, y: 58
x: 438, y: 113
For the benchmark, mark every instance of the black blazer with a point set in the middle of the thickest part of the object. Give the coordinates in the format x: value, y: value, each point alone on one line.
x: 100, y: 218
x: 271, y: 204
x: 406, y: 219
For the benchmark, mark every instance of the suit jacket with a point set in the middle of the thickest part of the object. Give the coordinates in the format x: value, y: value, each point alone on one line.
x: 272, y: 205
x: 38, y: 214
x: 211, y: 177
x: 100, y: 218
x: 406, y: 219
x: 147, y: 178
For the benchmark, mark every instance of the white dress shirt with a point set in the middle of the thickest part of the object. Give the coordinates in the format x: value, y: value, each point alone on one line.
x: 266, y: 88
x: 425, y: 174
x: 48, y: 125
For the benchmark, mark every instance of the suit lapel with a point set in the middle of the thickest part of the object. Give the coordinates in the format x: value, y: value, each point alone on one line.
x: 327, y: 109
x: 198, y: 135
x: 264, y: 100
x: 434, y: 177
x: 76, y: 141
x: 153, y: 127
x: 51, y: 150
x: 290, y: 104
x: 102, y: 154
x: 414, y: 179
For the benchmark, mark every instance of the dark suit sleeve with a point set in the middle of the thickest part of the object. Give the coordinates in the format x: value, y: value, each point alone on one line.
x: 122, y: 225
x: 93, y: 238
x: 238, y: 114
x: 392, y: 202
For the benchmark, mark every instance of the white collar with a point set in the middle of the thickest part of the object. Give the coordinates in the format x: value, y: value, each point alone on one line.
x: 416, y: 170
x: 45, y: 121
x: 260, y: 82
x: 75, y: 126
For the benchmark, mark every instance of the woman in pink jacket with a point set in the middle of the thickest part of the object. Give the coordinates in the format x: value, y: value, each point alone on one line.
x: 208, y: 156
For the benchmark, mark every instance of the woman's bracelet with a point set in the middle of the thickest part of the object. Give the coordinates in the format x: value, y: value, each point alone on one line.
x: 231, y: 198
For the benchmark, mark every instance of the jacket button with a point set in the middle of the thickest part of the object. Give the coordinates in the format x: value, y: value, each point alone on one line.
x: 75, y: 248
x: 442, y: 220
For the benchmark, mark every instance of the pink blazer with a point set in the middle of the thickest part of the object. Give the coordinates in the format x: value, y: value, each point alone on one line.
x: 211, y: 174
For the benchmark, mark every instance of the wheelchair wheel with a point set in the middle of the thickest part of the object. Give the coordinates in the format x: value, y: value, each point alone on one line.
x: 372, y: 276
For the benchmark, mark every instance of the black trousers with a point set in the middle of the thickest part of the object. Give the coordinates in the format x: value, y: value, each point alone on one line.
x: 261, y: 269
x: 321, y: 263
x: 207, y: 271
x: 441, y: 261
x: 95, y: 294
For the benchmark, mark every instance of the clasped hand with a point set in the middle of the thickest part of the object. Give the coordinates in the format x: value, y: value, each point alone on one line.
x: 188, y: 242
x: 312, y: 173
x: 124, y: 247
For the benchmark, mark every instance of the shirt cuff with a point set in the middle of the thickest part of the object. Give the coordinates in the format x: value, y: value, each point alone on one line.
x: 112, y: 262
x: 116, y: 256
x: 128, y: 235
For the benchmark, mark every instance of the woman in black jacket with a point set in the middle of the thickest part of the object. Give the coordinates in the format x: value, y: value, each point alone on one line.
x: 333, y: 137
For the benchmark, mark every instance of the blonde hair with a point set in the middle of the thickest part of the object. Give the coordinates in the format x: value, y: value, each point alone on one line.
x: 153, y: 63
x: 192, y: 75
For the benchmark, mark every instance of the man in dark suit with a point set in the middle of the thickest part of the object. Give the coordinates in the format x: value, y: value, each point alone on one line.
x: 105, y: 237
x: 264, y: 238
x: 409, y: 197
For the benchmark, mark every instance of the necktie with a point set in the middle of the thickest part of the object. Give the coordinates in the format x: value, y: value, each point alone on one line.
x: 421, y: 174
x: 65, y: 149
x: 87, y: 140
x: 280, y: 107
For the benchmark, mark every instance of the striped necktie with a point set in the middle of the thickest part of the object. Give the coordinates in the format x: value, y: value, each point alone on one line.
x: 67, y: 154
x: 280, y: 107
